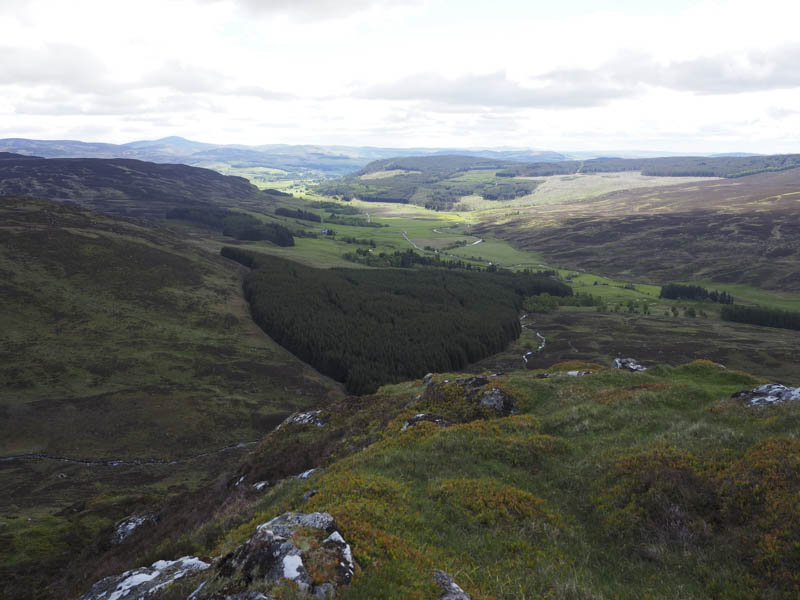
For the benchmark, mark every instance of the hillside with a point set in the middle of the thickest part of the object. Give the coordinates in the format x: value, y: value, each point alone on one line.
x: 741, y: 230
x: 609, y: 484
x: 125, y: 187
x: 134, y: 373
x: 674, y: 166
x: 123, y: 348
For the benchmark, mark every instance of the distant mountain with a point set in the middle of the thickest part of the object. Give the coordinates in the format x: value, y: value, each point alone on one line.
x: 124, y: 186
x: 324, y: 161
x: 734, y: 155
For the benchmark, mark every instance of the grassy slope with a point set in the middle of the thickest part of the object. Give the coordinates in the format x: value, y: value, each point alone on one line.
x: 121, y: 341
x: 614, y: 485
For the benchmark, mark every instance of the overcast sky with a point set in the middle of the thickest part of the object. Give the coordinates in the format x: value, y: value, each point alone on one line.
x: 671, y: 75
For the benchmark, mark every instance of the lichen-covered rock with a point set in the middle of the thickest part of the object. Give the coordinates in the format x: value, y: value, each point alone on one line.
x: 450, y: 588
x: 305, y: 550
x: 441, y: 421
x: 772, y: 393
x: 631, y: 364
x: 499, y: 400
x: 144, y: 582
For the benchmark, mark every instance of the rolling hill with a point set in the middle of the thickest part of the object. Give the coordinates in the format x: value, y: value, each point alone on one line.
x: 440, y: 182
x: 736, y: 230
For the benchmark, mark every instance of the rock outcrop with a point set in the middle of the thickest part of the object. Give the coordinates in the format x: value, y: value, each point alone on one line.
x: 310, y: 417
x: 145, y: 582
x: 450, y: 588
x: 766, y: 395
x: 308, y: 474
x: 474, y: 389
x: 499, y: 400
x: 631, y: 364
x: 563, y: 374
x: 127, y: 526
x: 304, y: 549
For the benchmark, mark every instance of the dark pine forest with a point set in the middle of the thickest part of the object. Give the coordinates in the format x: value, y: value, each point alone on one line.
x: 367, y: 328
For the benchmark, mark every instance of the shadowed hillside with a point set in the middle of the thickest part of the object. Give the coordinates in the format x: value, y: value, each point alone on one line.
x: 120, y: 342
x: 125, y: 187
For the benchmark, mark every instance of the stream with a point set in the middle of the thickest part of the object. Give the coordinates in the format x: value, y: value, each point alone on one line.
x: 539, y: 335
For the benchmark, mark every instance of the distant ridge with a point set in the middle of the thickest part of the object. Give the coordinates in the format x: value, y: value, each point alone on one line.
x: 326, y: 161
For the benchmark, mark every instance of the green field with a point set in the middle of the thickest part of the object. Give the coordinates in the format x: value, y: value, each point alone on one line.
x: 438, y: 229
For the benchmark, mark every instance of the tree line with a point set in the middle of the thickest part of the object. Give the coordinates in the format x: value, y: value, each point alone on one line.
x: 761, y: 315
x: 234, y: 224
x: 303, y: 215
x: 676, y: 291
x: 366, y: 328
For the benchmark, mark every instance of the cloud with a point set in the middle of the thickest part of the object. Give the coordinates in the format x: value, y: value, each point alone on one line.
x: 64, y: 65
x: 732, y: 73
x: 182, y: 77
x: 311, y: 10
x: 497, y: 90
x: 191, y: 79
x: 257, y: 91
x: 625, y: 76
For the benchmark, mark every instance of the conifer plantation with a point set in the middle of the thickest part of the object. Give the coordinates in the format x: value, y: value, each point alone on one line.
x: 370, y: 327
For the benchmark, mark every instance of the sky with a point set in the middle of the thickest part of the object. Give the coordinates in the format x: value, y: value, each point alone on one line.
x: 675, y: 75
